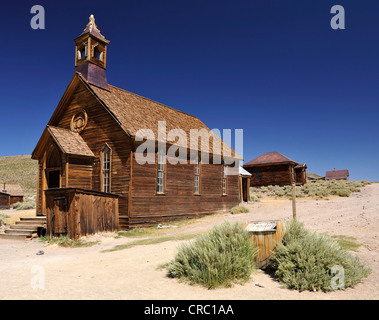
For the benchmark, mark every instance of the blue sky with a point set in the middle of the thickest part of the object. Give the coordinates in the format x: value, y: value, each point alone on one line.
x: 274, y: 68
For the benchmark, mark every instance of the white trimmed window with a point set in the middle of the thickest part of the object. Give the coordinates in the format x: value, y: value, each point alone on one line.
x: 160, y: 171
x: 224, y: 176
x: 197, y: 176
x: 106, y: 169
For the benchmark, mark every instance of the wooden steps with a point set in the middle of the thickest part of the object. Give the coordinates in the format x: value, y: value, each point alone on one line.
x: 25, y: 229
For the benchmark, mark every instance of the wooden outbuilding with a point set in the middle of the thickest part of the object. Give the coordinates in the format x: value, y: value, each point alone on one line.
x: 10, y: 194
x: 337, y: 175
x: 273, y: 168
x: 89, y: 150
x: 244, y: 180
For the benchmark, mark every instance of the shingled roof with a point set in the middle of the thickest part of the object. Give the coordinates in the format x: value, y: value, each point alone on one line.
x: 13, y: 190
x: 70, y: 142
x: 337, y: 174
x: 270, y: 158
x: 92, y: 28
x: 135, y: 113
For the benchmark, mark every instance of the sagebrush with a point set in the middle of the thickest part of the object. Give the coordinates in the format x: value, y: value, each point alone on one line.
x: 321, y: 189
x: 221, y: 257
x: 304, y: 260
x: 239, y: 209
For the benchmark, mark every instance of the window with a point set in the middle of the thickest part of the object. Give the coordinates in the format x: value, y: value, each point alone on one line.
x: 82, y: 52
x: 258, y: 174
x: 106, y: 169
x: 224, y: 176
x: 160, y: 172
x: 197, y: 176
x: 97, y: 54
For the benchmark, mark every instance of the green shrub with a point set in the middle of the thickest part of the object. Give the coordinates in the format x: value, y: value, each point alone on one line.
x: 254, y: 197
x: 26, y: 205
x: 218, y: 258
x: 304, y: 261
x: 239, y: 209
x: 64, y: 241
x: 2, y: 218
x: 320, y: 189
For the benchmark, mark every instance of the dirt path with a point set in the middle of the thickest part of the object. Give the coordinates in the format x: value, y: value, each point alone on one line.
x: 87, y: 273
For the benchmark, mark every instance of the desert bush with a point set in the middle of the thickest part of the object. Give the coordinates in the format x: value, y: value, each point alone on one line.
x: 304, y: 260
x: 342, y: 192
x: 319, y: 190
x: 26, y: 205
x: 239, y: 209
x: 254, y: 197
x: 218, y: 258
x: 2, y: 218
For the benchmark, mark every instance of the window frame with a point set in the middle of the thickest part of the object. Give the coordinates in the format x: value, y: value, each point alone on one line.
x: 258, y: 174
x: 197, y: 174
x: 106, y: 173
x: 161, y: 170
x: 224, y: 180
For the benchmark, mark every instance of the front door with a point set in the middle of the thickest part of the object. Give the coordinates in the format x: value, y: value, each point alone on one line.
x: 53, y: 179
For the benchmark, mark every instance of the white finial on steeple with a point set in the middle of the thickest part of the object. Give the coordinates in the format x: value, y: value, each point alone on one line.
x: 91, y: 18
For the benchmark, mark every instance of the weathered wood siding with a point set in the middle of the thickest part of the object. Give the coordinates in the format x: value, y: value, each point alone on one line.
x: 179, y: 200
x: 4, y: 201
x: 78, y: 212
x: 100, y: 130
x: 16, y: 199
x: 301, y: 176
x: 270, y: 175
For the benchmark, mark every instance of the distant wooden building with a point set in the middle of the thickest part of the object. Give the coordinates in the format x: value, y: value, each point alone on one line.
x: 244, y: 180
x: 88, y: 151
x: 273, y: 168
x: 337, y: 175
x: 10, y: 194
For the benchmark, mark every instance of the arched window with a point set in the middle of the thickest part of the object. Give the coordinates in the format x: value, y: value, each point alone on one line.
x: 97, y: 54
x: 106, y: 156
x: 53, y: 168
x: 82, y: 52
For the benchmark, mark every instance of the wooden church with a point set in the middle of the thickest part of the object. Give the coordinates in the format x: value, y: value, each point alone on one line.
x: 89, y: 179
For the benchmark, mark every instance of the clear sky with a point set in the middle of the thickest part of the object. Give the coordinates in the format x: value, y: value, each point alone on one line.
x: 274, y: 68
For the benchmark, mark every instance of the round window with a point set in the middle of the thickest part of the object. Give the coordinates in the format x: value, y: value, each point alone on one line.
x: 79, y: 121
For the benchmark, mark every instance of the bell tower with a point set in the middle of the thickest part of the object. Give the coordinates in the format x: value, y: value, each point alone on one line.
x: 91, y: 55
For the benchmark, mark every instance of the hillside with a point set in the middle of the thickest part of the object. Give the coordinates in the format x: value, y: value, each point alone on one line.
x: 21, y: 170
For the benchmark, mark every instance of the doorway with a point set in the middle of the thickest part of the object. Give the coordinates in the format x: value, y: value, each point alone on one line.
x: 53, y: 179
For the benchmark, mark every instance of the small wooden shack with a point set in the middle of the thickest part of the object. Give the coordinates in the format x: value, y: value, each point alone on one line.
x: 90, y: 145
x: 337, y: 175
x: 10, y: 194
x: 273, y: 168
x: 244, y: 182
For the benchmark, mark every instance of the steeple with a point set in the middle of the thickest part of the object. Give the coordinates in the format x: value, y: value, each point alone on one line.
x: 91, y: 55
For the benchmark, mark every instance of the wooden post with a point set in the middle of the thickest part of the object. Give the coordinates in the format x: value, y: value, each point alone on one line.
x: 294, y: 200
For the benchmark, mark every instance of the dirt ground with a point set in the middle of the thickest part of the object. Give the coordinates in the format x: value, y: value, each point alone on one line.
x: 88, y: 273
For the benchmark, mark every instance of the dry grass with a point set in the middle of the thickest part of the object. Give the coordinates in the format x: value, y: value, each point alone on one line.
x: 316, y: 190
x: 20, y: 170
